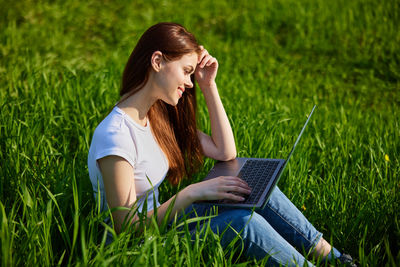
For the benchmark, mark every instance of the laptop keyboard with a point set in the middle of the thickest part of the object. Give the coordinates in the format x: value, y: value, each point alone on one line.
x: 257, y: 174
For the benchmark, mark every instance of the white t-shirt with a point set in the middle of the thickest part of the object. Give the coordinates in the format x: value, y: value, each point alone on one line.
x: 119, y: 135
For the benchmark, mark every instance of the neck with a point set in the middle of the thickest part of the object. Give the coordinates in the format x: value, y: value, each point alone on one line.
x: 138, y: 105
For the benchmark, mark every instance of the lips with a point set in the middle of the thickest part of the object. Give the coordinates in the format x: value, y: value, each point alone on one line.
x: 181, y: 91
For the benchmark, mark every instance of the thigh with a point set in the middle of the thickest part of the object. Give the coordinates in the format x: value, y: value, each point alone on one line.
x: 290, y: 222
x: 250, y: 231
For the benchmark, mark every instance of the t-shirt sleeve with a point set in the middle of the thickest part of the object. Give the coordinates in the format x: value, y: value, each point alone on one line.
x: 116, y: 142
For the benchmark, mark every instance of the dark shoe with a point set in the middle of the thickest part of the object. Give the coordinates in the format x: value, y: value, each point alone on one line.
x: 347, y: 260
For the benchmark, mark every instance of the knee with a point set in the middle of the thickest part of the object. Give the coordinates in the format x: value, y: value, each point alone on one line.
x: 276, y: 193
x: 278, y: 199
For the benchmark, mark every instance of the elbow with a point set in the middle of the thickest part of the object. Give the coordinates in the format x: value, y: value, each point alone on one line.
x: 233, y: 155
x: 227, y: 156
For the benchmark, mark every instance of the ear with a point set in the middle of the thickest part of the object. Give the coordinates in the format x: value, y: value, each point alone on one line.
x: 156, y: 61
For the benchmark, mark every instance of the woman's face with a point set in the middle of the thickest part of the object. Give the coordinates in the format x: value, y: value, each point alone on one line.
x: 174, y: 77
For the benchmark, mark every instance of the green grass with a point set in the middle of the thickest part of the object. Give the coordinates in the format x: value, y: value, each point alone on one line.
x: 60, y: 69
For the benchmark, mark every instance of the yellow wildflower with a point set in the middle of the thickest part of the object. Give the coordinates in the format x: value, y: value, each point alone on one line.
x: 387, y: 157
x: 303, y: 207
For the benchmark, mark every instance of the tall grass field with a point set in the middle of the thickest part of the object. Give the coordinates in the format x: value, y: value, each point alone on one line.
x: 60, y: 69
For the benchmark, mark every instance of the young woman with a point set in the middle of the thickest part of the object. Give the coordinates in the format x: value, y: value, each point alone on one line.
x: 151, y: 134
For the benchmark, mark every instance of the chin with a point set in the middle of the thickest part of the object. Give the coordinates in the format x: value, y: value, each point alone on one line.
x: 177, y: 102
x: 172, y: 102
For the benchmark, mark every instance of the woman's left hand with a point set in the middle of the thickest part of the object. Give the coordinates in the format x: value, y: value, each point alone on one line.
x: 206, y: 69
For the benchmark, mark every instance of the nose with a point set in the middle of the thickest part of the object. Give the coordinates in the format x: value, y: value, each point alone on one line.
x: 188, y: 82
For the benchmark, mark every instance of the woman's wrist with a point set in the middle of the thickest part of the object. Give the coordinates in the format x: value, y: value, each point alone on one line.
x: 191, y: 194
x: 208, y: 86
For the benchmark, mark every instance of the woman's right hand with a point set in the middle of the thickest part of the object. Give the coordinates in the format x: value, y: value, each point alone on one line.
x: 222, y: 187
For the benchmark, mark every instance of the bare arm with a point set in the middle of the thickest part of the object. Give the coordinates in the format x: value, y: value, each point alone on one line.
x: 221, y: 144
x: 120, y: 191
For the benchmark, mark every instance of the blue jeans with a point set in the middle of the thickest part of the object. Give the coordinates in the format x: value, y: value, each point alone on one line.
x: 277, y: 230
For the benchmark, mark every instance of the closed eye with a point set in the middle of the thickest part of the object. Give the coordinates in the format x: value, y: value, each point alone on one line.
x: 189, y: 70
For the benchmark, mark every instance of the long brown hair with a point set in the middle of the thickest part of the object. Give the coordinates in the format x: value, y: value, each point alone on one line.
x: 175, y: 132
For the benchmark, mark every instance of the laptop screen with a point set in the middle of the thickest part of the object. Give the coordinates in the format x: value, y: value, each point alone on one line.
x: 298, y: 138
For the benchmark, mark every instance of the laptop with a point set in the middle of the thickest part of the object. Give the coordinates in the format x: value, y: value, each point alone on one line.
x: 262, y: 175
